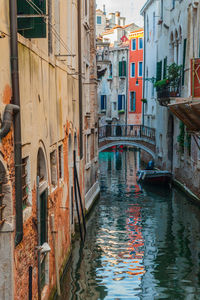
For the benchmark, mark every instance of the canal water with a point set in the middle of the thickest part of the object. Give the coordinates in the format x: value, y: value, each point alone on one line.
x: 142, y: 243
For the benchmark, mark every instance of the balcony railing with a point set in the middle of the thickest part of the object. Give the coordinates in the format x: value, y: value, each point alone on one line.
x: 127, y: 131
x: 165, y: 95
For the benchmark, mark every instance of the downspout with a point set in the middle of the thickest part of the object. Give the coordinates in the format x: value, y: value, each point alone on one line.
x: 80, y: 80
x: 144, y: 67
x: 17, y: 121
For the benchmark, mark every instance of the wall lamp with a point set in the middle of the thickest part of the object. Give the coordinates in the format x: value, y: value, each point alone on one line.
x: 152, y: 79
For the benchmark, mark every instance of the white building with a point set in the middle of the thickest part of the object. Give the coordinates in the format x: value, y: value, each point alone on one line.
x: 172, y: 34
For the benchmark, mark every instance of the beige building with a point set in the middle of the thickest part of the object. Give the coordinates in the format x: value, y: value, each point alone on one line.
x: 52, y: 103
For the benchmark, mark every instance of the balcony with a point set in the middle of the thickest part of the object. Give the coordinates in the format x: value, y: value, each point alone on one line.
x: 166, y: 95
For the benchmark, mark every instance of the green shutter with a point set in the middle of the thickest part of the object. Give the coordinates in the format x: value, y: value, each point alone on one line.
x: 124, y: 68
x: 33, y: 27
x: 159, y: 71
x: 120, y: 68
x: 165, y: 68
x: 184, y: 55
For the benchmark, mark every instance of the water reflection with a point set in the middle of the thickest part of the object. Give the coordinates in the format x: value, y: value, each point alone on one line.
x: 141, y: 244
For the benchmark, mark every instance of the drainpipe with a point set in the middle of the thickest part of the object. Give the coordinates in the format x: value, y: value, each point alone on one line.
x: 144, y: 67
x: 80, y: 80
x: 9, y: 111
x: 17, y: 121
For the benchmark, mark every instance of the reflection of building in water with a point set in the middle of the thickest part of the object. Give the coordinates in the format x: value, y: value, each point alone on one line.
x: 132, y: 168
x: 136, y: 241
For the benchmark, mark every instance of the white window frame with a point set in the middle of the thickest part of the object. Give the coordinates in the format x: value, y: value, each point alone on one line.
x: 132, y: 45
x: 139, y: 43
x: 139, y: 68
x: 131, y: 70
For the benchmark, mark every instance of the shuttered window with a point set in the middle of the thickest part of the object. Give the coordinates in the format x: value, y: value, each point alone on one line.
x: 121, y: 102
x: 184, y: 55
x: 165, y: 68
x: 159, y: 71
x: 132, y: 101
x: 122, y: 68
x: 103, y: 102
x: 34, y: 26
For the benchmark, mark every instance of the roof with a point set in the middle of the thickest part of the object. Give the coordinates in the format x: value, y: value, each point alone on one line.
x: 188, y: 111
x: 109, y: 31
x: 146, y: 5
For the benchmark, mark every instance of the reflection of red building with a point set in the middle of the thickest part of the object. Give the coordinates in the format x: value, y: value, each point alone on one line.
x: 135, y: 77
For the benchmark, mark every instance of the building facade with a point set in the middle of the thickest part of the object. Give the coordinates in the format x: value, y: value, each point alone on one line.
x: 47, y: 103
x: 171, y: 53
x: 135, y: 86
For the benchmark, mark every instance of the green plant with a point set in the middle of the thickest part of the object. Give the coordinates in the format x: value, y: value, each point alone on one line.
x: 181, y: 137
x: 174, y: 72
x: 161, y: 84
x: 144, y: 100
x: 188, y: 143
x: 121, y: 111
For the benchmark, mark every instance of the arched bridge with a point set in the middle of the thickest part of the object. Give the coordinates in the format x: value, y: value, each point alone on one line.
x: 138, y: 136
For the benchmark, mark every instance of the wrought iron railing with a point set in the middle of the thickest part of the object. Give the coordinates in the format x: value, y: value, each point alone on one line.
x: 127, y: 131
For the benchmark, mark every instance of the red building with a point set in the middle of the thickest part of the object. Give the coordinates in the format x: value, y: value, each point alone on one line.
x: 135, y: 77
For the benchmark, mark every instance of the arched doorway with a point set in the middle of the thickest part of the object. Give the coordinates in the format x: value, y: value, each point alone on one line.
x: 42, y: 204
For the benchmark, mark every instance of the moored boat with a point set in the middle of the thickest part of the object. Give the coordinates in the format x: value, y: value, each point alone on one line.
x: 154, y: 177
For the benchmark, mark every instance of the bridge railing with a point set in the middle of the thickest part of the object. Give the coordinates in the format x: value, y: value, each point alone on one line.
x: 132, y: 131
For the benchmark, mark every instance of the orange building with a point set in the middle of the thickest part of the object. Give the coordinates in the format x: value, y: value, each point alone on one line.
x: 135, y: 77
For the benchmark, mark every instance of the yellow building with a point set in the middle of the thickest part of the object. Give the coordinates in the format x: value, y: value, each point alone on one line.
x: 48, y: 88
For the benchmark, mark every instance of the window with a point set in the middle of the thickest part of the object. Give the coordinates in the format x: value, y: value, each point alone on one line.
x: 161, y: 10
x: 103, y: 102
x: 165, y: 68
x: 147, y: 28
x: 140, y: 43
x: 86, y: 5
x: 122, y: 68
x: 132, y: 101
x: 154, y: 26
x: 88, y: 148
x: 173, y: 4
x: 60, y: 157
x: 159, y: 71
x: 121, y: 102
x: 53, y: 162
x: 110, y: 71
x: 140, y: 64
x: 98, y: 20
x: 184, y: 55
x: 133, y: 43
x: 25, y: 181
x: 31, y: 27
x: 132, y: 69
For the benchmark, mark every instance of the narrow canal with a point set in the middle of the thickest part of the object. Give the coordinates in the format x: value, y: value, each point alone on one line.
x: 141, y: 243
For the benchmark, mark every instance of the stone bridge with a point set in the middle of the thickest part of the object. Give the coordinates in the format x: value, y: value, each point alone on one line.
x: 138, y: 136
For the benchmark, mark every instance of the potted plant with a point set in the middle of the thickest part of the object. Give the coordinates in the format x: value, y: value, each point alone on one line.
x: 174, y: 72
x: 161, y: 84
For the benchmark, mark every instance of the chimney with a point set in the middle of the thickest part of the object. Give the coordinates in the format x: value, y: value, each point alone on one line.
x: 104, y: 9
x: 117, y: 18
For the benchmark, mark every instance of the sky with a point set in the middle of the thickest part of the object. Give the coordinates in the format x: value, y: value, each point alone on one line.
x: 128, y: 8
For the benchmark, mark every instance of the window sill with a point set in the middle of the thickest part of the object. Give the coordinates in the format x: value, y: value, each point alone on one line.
x: 103, y: 111
x: 122, y: 77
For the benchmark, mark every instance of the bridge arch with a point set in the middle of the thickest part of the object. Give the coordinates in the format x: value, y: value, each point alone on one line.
x: 127, y: 143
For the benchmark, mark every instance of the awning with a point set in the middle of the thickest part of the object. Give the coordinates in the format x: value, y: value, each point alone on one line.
x: 188, y: 111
